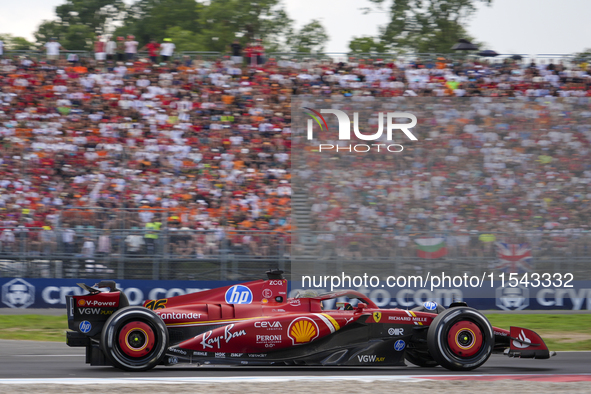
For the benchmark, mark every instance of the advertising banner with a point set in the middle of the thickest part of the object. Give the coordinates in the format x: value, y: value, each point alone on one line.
x: 51, y: 293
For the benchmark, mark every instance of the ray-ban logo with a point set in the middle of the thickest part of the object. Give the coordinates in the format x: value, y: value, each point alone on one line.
x: 344, y: 132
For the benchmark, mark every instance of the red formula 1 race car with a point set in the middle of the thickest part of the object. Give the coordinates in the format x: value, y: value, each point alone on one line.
x: 255, y: 323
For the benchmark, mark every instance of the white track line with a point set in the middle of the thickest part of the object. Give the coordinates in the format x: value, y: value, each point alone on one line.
x: 47, y: 355
x: 252, y: 379
x: 180, y: 380
x: 249, y: 379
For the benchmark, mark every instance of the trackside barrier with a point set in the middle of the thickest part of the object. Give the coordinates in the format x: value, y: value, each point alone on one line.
x: 326, y: 56
x: 51, y: 293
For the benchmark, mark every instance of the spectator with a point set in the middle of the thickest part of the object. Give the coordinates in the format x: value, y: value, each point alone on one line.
x: 259, y: 52
x: 152, y: 48
x: 130, y: 48
x: 167, y: 49
x: 88, y: 249
x: 48, y: 240
x: 68, y: 239
x: 120, y: 49
x: 104, y: 243
x: 151, y: 236
x: 53, y: 50
x: 110, y: 49
x: 135, y: 243
x: 236, y: 52
x: 251, y: 55
x: 100, y: 54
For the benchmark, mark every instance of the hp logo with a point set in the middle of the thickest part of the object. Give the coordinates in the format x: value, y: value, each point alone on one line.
x: 238, y: 295
x: 399, y: 345
x: 430, y: 305
x: 85, y: 326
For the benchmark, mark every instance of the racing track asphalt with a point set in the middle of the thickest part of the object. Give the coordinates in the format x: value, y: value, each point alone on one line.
x: 29, y: 359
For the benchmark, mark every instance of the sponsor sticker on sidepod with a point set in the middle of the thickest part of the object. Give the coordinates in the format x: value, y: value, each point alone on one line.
x: 238, y: 295
x: 85, y: 326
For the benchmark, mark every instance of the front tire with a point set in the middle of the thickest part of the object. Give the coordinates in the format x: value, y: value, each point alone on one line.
x: 460, y: 339
x: 134, y: 339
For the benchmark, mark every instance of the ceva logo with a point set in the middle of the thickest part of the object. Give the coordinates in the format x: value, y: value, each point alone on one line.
x: 238, y: 295
x: 345, y: 129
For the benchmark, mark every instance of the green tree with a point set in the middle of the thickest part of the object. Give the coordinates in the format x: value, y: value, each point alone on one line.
x: 16, y: 43
x: 222, y: 21
x: 78, y: 21
x: 78, y: 37
x: 184, y: 40
x: 584, y: 56
x: 97, y: 15
x: 48, y: 29
x: 150, y: 19
x: 426, y: 25
x: 366, y: 45
x: 73, y: 38
x: 311, y: 38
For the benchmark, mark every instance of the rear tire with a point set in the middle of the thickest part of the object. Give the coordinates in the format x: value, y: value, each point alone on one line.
x: 460, y: 339
x: 134, y: 339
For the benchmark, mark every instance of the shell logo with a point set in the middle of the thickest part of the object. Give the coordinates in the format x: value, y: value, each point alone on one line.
x: 81, y: 302
x: 302, y: 330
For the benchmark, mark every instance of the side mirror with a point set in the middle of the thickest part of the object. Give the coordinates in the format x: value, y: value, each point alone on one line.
x: 361, y: 306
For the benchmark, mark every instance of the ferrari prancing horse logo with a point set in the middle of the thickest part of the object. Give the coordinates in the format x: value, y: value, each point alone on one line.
x: 377, y: 316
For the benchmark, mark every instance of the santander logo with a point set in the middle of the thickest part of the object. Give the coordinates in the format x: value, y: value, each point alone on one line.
x: 523, y: 338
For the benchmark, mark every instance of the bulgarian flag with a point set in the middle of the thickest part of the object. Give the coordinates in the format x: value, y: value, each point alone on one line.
x: 431, y: 248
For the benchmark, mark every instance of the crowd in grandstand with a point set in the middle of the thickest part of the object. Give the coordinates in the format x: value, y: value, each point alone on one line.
x: 194, y: 144
x: 485, y: 170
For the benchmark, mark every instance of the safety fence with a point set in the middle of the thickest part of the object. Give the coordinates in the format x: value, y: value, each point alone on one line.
x: 170, y: 250
x: 325, y: 56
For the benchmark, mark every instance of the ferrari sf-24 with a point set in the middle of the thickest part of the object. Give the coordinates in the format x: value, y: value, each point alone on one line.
x: 255, y: 323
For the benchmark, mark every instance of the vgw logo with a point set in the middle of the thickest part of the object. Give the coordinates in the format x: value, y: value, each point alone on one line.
x: 238, y: 295
x: 367, y: 358
x: 345, y: 130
